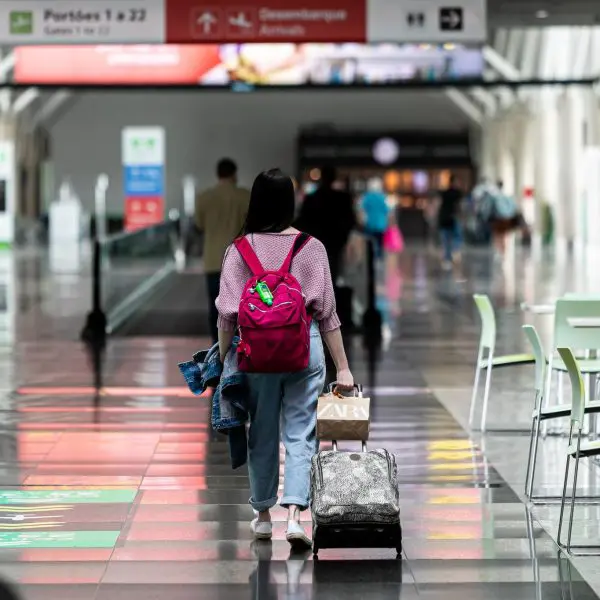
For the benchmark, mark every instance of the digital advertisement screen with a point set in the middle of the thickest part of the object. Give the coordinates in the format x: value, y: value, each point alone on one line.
x: 211, y: 65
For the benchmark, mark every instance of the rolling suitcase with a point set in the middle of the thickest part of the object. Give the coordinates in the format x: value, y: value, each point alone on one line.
x: 355, y: 500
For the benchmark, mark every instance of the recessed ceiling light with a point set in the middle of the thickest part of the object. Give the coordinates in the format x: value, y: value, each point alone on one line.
x: 542, y: 14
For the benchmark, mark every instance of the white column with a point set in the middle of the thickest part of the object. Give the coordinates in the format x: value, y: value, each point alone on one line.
x: 8, y: 180
x: 505, y: 151
x: 546, y: 157
x: 486, y: 164
x: 524, y: 149
x: 498, y: 140
x: 575, y: 134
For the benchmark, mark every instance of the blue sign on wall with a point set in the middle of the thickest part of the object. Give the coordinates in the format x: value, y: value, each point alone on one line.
x: 143, y: 180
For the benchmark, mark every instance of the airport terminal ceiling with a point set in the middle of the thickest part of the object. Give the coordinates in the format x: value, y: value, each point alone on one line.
x: 527, y: 13
x: 524, y: 43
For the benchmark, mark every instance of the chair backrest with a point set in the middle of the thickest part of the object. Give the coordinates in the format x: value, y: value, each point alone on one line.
x: 488, y: 321
x: 580, y: 296
x: 540, y: 357
x: 577, y: 338
x: 577, y: 386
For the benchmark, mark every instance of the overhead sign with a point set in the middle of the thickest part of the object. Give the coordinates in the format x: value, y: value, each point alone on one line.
x: 76, y: 22
x: 438, y: 22
x: 252, y: 21
x: 415, y: 19
x: 143, y: 153
x: 451, y: 19
x: 401, y: 150
x: 266, y: 21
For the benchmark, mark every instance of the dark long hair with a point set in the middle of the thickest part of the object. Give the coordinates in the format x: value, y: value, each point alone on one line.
x: 272, y: 203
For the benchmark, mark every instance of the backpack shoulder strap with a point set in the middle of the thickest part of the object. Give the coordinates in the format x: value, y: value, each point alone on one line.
x: 299, y: 243
x: 247, y: 253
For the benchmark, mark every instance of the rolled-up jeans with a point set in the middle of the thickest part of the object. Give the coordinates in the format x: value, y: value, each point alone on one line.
x: 284, y: 405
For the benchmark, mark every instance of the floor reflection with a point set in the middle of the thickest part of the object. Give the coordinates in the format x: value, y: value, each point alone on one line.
x: 114, y: 487
x: 298, y: 579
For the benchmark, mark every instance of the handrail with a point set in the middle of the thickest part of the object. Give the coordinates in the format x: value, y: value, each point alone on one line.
x: 103, y: 319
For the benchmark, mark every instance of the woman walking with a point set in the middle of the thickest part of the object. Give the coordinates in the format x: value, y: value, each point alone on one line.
x: 282, y: 405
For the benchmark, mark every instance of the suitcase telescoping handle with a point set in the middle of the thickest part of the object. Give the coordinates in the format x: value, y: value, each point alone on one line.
x: 334, y: 445
x: 358, y: 390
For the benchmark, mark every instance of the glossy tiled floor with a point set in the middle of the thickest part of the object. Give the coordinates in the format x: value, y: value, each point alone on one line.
x: 125, y: 493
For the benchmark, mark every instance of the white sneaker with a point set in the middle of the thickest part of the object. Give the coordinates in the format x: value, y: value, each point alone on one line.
x: 262, y: 530
x: 297, y: 537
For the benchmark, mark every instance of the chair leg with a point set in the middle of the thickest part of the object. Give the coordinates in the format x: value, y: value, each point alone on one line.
x: 593, y: 418
x: 475, y: 387
x: 528, y: 472
x: 573, y: 495
x: 532, y: 457
x: 547, y: 392
x: 563, y: 501
x: 486, y: 393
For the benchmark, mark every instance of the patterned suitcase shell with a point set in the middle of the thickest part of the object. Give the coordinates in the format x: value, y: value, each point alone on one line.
x: 354, y: 488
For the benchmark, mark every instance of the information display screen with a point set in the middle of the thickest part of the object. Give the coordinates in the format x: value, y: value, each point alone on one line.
x: 293, y: 65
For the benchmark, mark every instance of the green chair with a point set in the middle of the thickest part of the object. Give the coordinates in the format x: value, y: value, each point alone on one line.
x: 487, y: 342
x: 541, y: 412
x: 580, y: 339
x: 576, y: 449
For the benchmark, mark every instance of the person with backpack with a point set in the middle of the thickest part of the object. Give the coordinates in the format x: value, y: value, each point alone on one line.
x: 502, y: 213
x: 276, y: 291
x: 375, y: 213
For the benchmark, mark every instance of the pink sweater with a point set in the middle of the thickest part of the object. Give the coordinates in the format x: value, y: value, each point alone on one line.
x: 310, y: 267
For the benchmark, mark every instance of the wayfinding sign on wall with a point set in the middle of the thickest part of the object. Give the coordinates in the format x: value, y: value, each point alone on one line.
x: 143, y: 157
x: 248, y: 21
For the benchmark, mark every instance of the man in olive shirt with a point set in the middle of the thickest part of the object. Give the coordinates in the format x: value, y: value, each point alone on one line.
x: 220, y: 215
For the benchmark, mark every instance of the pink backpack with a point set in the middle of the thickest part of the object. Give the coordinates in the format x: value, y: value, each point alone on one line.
x: 275, y: 338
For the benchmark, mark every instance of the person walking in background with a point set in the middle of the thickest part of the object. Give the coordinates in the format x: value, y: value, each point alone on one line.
x: 375, y: 213
x: 502, y: 213
x: 393, y: 240
x: 328, y: 215
x: 449, y: 222
x: 220, y: 215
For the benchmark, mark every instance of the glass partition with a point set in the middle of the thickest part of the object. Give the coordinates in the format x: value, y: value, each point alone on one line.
x: 132, y: 265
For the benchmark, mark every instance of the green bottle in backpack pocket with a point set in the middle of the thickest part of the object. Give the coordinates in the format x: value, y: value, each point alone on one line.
x: 264, y: 293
